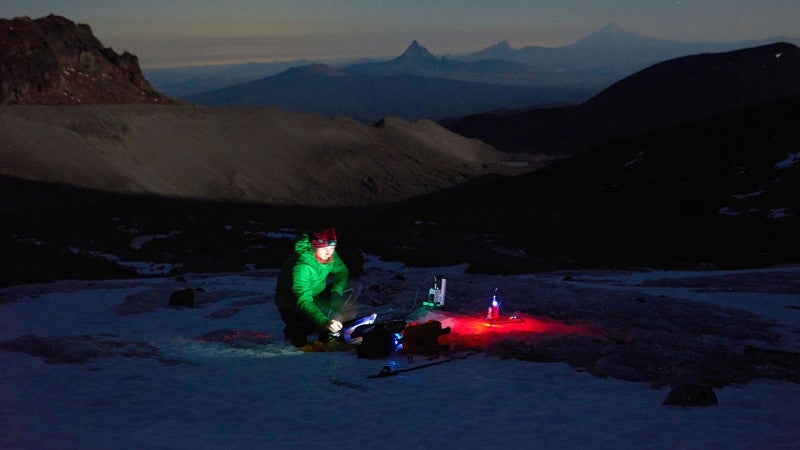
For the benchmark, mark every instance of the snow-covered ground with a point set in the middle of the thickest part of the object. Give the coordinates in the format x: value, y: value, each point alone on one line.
x: 118, y: 369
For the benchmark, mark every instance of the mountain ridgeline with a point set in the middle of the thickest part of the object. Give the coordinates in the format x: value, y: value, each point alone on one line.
x: 591, y: 64
x: 332, y: 92
x: 670, y: 93
x: 500, y: 82
x: 606, y: 56
x: 412, y: 86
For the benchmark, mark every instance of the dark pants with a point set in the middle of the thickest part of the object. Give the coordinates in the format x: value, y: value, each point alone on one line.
x: 299, y: 326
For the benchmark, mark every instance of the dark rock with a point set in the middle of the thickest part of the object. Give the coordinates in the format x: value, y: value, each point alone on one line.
x: 691, y: 394
x: 76, y: 349
x: 184, y: 297
x: 180, y: 279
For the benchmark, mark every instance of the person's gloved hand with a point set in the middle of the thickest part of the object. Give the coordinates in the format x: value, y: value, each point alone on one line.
x: 334, y: 326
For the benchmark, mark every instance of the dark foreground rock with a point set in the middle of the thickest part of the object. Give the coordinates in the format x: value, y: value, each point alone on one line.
x: 690, y: 394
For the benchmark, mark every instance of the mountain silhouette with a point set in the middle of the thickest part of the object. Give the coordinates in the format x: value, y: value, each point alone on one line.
x: 418, y: 61
x: 415, y: 52
x: 604, y: 56
x: 669, y: 93
x: 593, y: 63
x: 614, y: 33
x: 371, y: 96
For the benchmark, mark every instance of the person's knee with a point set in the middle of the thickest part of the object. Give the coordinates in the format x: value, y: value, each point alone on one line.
x: 298, y: 338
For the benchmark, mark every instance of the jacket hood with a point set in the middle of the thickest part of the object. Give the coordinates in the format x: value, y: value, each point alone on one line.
x: 303, y: 246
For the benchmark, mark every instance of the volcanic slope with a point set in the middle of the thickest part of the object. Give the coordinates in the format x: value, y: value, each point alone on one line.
x: 256, y: 155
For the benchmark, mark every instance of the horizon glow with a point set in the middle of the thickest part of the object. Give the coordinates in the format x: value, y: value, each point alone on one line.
x: 173, y: 33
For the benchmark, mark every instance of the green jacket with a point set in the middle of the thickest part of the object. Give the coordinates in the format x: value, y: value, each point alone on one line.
x: 303, y: 279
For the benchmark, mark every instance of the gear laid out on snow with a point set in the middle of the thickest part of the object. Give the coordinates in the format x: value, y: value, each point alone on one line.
x: 493, y: 315
x: 379, y: 340
x: 349, y: 329
x: 423, y: 338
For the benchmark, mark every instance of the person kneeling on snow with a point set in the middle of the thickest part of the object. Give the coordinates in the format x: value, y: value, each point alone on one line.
x: 306, y: 301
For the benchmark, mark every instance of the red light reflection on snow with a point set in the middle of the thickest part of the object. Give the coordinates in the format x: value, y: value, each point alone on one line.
x: 478, y: 331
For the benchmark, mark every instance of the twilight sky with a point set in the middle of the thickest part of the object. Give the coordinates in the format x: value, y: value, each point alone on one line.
x: 195, y: 32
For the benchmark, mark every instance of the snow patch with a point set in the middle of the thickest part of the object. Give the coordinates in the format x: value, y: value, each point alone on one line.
x: 728, y: 211
x: 233, y: 382
x: 139, y: 241
x: 779, y: 213
x: 634, y: 160
x: 751, y: 194
x: 141, y: 267
x: 28, y: 240
x: 281, y: 234
x: 790, y: 160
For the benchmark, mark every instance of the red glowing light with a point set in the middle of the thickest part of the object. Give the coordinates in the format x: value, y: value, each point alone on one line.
x: 478, y: 331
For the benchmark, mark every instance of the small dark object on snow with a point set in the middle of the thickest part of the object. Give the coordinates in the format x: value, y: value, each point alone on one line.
x: 691, y: 394
x: 184, y: 297
x: 180, y: 279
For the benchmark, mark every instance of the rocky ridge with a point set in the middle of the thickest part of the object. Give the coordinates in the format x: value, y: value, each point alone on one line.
x: 53, y: 61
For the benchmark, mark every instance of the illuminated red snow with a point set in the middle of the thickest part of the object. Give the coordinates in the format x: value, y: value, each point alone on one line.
x: 478, y: 331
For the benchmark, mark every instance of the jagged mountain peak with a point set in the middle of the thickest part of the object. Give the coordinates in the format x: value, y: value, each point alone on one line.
x: 416, y: 51
x: 502, y: 45
x: 500, y: 50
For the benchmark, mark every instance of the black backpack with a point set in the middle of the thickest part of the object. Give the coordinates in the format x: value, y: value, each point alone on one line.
x: 378, y: 340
